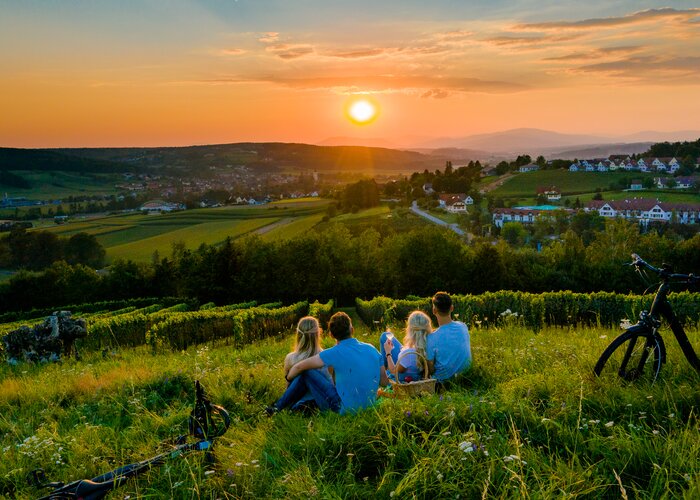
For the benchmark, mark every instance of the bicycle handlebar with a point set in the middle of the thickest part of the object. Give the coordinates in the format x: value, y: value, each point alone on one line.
x: 664, y: 272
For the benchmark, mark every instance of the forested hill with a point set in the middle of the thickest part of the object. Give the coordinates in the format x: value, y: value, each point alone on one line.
x: 47, y: 160
x: 259, y: 156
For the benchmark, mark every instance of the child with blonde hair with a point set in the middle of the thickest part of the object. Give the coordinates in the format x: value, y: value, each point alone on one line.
x: 409, y: 367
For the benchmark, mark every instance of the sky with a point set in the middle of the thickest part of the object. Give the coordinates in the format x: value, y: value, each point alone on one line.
x: 87, y: 73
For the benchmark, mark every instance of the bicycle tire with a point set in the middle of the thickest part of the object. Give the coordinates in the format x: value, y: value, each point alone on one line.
x: 636, y: 354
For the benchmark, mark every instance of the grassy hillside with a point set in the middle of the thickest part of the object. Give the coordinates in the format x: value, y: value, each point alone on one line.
x: 525, y: 185
x: 529, y: 421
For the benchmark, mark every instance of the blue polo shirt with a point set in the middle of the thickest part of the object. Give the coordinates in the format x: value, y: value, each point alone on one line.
x: 449, y: 348
x: 357, y: 367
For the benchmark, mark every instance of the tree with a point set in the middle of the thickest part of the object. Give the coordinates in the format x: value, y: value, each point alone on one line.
x: 83, y: 248
x: 514, y: 233
x: 502, y: 168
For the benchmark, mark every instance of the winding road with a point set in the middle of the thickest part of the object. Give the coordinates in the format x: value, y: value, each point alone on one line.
x: 435, y: 220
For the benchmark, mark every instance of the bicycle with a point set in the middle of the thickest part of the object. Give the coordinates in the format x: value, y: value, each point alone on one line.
x: 207, y: 421
x: 639, y: 352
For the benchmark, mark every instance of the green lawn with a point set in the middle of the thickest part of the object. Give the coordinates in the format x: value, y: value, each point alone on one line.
x: 529, y: 421
x: 291, y: 228
x: 526, y: 184
x: 367, y: 212
x: 211, y: 233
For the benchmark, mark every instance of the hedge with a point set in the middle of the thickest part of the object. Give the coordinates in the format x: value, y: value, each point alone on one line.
x: 534, y: 310
x: 240, y: 327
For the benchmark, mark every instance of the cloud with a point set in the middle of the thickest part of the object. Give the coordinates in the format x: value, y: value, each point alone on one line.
x: 435, y: 94
x: 427, y: 86
x: 601, y: 53
x: 529, y: 42
x: 232, y: 52
x: 649, y: 68
x: 290, y: 51
x: 268, y: 37
x: 356, y: 53
x: 645, y: 16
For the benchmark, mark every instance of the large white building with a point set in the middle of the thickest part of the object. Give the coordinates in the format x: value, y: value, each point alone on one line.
x: 645, y: 210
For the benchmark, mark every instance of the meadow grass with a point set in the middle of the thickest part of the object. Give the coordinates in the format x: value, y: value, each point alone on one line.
x: 193, y: 236
x: 367, y: 212
x: 291, y: 228
x: 529, y: 420
x: 526, y: 184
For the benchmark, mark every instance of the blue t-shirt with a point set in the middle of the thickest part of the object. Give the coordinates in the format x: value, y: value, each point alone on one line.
x: 357, y: 366
x: 448, y: 347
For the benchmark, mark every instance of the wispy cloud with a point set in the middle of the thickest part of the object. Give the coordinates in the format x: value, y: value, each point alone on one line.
x: 268, y: 37
x: 290, y: 50
x: 232, y: 52
x: 601, y: 53
x: 653, y: 69
x: 426, y: 86
x: 645, y: 16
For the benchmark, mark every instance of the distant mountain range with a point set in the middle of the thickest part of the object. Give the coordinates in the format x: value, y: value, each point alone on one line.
x: 532, y: 141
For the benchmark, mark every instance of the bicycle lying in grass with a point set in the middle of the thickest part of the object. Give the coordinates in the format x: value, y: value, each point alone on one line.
x: 206, y: 423
x: 639, y: 352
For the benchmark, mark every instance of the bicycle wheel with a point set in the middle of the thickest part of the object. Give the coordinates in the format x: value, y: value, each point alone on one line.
x: 634, y: 355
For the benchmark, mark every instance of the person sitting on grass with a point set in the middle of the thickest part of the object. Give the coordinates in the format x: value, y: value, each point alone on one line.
x: 357, y: 368
x: 448, y: 347
x: 307, y: 344
x: 409, y: 367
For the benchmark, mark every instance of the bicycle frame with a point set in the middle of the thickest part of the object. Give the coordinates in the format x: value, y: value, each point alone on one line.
x: 662, y: 307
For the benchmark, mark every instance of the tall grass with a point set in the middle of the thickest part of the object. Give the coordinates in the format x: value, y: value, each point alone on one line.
x: 530, y: 420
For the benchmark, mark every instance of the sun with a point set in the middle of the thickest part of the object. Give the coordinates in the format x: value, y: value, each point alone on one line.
x: 362, y: 111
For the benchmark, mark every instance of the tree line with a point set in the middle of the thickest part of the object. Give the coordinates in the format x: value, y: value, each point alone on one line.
x: 37, y: 250
x: 335, y: 264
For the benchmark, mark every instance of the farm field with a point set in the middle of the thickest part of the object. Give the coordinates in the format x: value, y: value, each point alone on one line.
x: 58, y: 184
x: 529, y: 420
x: 136, y: 236
x: 525, y: 185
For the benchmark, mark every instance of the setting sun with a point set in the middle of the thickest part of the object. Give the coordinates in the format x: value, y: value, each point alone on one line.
x: 362, y: 111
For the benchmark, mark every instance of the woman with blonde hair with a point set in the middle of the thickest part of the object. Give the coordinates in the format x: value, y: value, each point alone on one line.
x: 307, y: 344
x: 409, y: 368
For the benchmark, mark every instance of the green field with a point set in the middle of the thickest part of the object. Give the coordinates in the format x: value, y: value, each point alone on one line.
x: 529, y: 421
x: 136, y: 236
x: 210, y: 233
x: 56, y: 185
x: 525, y: 185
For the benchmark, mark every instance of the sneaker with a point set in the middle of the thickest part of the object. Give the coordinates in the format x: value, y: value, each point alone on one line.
x: 271, y: 410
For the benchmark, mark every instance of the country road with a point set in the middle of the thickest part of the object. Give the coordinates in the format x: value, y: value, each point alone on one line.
x: 435, y: 220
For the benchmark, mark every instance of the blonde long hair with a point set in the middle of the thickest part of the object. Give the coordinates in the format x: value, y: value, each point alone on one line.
x: 418, y: 327
x: 308, y: 338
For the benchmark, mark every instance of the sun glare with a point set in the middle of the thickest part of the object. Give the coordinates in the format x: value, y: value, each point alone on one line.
x: 362, y: 111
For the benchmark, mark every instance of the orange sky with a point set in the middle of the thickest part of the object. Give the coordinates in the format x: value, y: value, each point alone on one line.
x: 77, y: 73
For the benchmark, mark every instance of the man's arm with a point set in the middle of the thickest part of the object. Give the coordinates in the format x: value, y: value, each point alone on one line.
x: 307, y: 364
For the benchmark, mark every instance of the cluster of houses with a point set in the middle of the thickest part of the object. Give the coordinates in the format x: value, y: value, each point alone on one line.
x: 617, y: 162
x: 645, y: 210
x: 642, y: 210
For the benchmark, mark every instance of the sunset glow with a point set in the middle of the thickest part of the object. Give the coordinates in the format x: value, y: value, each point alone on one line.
x: 268, y: 70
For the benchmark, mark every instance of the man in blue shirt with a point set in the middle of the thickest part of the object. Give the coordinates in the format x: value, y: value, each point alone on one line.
x: 358, y: 369
x: 448, y: 347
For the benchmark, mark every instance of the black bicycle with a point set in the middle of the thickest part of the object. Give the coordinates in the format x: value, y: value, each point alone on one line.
x: 206, y: 422
x: 639, y: 352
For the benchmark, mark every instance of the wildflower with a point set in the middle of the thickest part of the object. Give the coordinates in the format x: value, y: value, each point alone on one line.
x: 408, y: 413
x: 610, y: 424
x: 466, y: 446
x: 209, y: 473
x: 446, y: 433
x: 545, y: 419
x: 391, y: 495
x: 655, y: 432
x: 439, y: 476
x: 671, y: 415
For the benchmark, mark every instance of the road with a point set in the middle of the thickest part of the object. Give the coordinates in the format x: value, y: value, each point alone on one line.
x: 435, y: 220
